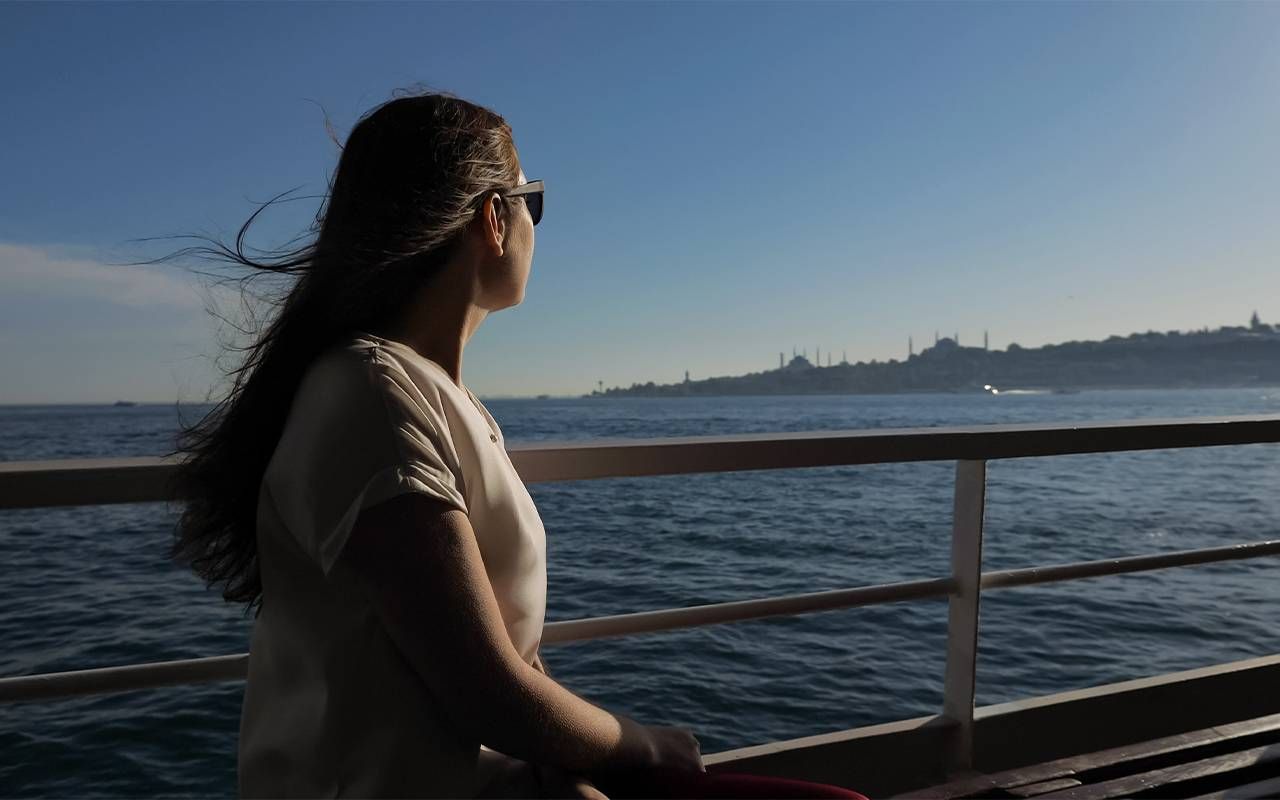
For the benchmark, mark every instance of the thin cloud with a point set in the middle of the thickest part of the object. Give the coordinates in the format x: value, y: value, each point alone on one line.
x: 59, y: 271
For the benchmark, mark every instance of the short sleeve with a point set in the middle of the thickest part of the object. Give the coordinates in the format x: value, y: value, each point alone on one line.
x: 365, y: 433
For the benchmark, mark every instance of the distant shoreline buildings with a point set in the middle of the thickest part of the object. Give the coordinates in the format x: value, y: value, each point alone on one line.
x: 1228, y: 356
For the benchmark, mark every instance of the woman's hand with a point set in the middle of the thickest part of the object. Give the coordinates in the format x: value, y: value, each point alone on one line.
x: 674, y: 747
x: 557, y: 783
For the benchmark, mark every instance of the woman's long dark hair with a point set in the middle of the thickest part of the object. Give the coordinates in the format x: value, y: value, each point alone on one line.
x: 407, y: 184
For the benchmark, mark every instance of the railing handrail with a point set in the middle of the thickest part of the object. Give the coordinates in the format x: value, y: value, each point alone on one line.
x: 96, y: 481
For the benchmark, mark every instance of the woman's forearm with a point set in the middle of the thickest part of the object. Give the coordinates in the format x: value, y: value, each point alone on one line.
x: 537, y: 720
x: 555, y: 779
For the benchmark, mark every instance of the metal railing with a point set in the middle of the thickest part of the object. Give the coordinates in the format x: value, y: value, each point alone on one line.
x: 98, y: 481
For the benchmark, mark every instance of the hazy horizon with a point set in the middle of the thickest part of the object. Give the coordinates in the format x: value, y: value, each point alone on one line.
x: 569, y: 395
x: 828, y: 175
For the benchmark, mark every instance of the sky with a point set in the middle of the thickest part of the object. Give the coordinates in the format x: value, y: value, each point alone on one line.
x: 725, y: 181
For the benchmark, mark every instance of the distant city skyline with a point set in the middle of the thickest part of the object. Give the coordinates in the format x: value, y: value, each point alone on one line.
x: 800, y: 354
x: 1227, y: 356
x: 1048, y: 171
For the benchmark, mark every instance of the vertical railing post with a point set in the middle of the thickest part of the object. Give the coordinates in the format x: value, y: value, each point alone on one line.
x: 962, y: 618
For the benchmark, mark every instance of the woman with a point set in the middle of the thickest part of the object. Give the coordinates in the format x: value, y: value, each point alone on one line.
x: 353, y: 489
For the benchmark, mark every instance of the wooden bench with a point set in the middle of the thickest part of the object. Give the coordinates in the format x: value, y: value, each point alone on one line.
x: 1239, y: 760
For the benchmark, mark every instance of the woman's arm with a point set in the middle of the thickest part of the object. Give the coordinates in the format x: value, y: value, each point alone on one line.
x: 556, y: 782
x: 417, y: 558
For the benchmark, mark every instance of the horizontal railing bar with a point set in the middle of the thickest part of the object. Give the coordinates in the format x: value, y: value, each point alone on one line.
x: 101, y: 680
x: 1027, y: 576
x: 219, y: 668
x: 86, y: 481
x: 31, y: 484
x: 674, y: 456
x: 233, y: 667
x: 739, y: 610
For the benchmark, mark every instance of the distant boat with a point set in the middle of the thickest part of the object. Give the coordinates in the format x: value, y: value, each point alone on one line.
x: 543, y: 397
x: 124, y: 403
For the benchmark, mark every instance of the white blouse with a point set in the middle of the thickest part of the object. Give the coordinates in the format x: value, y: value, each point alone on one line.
x: 331, y: 707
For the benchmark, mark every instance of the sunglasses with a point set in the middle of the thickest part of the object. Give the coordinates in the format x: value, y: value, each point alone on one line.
x: 532, y: 193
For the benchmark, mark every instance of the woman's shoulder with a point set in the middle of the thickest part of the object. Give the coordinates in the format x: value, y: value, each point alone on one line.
x: 366, y: 380
x: 362, y: 362
x: 360, y: 395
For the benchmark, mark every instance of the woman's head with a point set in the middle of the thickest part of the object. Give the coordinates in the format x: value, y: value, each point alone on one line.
x: 418, y: 196
x: 419, y: 186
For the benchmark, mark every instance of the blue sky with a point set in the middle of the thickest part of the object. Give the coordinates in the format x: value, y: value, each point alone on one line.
x: 724, y: 181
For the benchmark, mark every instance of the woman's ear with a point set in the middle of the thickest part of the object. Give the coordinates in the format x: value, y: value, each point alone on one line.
x: 493, y: 224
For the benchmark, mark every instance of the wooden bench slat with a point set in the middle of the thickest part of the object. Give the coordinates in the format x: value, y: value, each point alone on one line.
x: 1044, y: 787
x: 1072, y: 765
x: 1169, y: 776
x: 1115, y: 756
x: 1250, y: 791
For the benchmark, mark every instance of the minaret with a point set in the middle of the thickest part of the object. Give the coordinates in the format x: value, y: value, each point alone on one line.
x: 935, y: 338
x: 779, y: 360
x: 957, y: 340
x: 686, y: 376
x: 844, y: 356
x: 986, y: 340
x: 817, y: 356
x: 911, y: 348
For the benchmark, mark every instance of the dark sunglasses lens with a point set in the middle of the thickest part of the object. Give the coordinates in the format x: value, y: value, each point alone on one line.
x: 535, y: 206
